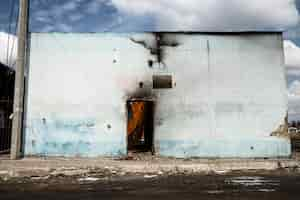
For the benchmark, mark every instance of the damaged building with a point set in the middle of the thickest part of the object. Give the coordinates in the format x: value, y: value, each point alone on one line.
x: 173, y: 94
x: 7, y: 78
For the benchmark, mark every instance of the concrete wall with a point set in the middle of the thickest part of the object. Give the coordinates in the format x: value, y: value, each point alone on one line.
x: 228, y: 95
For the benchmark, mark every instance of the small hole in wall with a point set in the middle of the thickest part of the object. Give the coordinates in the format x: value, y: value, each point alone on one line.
x: 150, y: 63
x: 108, y: 126
x: 141, y: 84
x: 114, y: 61
x: 252, y: 148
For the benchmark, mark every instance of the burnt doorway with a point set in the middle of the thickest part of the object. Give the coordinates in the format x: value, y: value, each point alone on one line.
x: 7, y: 79
x: 140, y: 125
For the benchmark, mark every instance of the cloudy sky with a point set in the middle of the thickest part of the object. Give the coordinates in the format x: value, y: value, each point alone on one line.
x: 159, y: 15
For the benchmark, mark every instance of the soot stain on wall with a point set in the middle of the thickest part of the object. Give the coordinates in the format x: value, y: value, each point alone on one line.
x: 157, y: 46
x: 143, y: 90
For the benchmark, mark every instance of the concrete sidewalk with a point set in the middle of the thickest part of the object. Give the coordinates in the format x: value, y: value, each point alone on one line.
x: 41, y: 167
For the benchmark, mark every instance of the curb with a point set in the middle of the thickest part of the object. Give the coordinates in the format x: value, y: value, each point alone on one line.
x: 77, y: 167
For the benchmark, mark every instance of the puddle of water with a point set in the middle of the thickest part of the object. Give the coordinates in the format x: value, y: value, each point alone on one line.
x: 88, y: 179
x: 266, y: 190
x: 215, y: 192
x: 150, y: 176
x: 251, y: 181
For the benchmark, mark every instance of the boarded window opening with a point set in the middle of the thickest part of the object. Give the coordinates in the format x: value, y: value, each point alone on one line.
x: 140, y: 125
x: 162, y: 82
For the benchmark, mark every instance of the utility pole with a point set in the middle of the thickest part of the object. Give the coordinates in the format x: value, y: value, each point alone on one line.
x: 19, y: 81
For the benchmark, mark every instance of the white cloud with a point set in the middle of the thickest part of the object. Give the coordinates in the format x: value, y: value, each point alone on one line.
x: 8, y: 49
x: 294, y: 89
x: 292, y: 58
x: 214, y: 14
x: 292, y: 61
x: 294, y: 107
x: 292, y: 52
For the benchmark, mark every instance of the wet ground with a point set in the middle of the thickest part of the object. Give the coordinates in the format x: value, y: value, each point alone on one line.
x: 238, y: 185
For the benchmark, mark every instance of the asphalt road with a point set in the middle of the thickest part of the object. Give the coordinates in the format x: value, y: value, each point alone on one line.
x: 239, y: 185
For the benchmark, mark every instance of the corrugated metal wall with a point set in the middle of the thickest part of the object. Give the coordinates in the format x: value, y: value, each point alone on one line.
x: 228, y: 93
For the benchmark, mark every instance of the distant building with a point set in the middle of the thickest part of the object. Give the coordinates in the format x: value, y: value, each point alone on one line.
x: 293, y: 130
x: 176, y: 94
x: 295, y: 124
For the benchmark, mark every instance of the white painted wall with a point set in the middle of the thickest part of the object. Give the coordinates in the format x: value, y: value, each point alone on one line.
x: 229, y: 94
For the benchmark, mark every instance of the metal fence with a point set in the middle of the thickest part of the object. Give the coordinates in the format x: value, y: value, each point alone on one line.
x: 296, y: 144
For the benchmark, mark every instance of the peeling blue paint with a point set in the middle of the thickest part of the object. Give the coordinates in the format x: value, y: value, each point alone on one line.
x: 222, y: 148
x: 70, y: 138
x: 80, y: 149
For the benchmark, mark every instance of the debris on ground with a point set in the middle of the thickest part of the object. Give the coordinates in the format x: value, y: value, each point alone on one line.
x: 143, y: 165
x: 160, y: 173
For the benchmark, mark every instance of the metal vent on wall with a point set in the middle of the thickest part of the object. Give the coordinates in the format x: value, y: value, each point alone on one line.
x: 162, y: 81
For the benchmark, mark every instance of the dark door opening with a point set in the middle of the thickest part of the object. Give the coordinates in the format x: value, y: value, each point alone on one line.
x: 7, y: 79
x: 140, y: 125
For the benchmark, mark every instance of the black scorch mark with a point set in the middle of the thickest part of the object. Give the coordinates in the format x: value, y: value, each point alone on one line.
x: 156, y: 48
